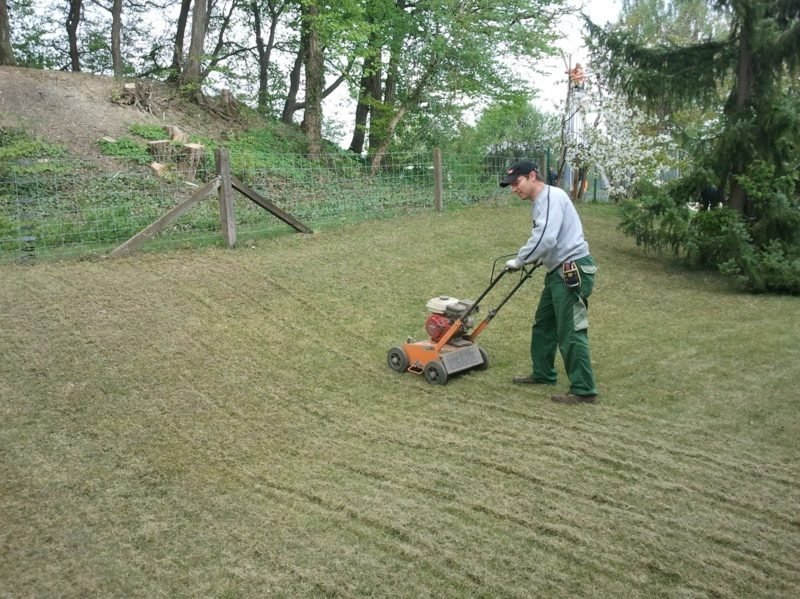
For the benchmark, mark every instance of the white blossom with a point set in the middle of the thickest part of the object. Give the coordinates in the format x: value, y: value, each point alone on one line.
x: 623, y: 143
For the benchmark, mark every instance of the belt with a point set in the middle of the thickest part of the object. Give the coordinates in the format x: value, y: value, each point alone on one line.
x: 567, y: 260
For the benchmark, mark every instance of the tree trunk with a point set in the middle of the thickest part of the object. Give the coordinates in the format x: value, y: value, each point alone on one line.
x: 412, y: 99
x: 116, y: 38
x: 380, y: 152
x: 180, y: 33
x: 315, y: 79
x: 161, y: 150
x: 264, y: 50
x: 360, y: 125
x: 191, y: 76
x: 564, y: 137
x: 6, y: 51
x: 742, y: 99
x: 381, y: 115
x: 73, y: 21
x: 290, y: 106
x: 369, y: 92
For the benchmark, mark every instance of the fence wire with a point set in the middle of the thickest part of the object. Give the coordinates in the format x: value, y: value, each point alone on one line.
x: 59, y: 208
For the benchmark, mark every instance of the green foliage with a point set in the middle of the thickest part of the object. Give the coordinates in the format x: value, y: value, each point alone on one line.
x: 16, y: 144
x: 771, y: 262
x: 752, y: 156
x: 30, y: 35
x: 149, y: 132
x: 127, y: 148
x: 510, y: 128
x: 672, y: 21
x: 775, y: 204
x: 656, y: 222
x: 716, y: 236
x: 775, y: 268
x: 762, y: 253
x: 749, y: 68
x: 23, y: 154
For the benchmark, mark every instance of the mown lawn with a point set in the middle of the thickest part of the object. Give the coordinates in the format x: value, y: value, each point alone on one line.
x: 223, y: 423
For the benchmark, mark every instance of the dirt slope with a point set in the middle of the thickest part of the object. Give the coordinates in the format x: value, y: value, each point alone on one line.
x: 77, y: 109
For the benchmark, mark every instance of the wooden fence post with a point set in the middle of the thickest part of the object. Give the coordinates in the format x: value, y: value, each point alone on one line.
x: 167, y: 219
x: 227, y: 219
x: 438, y: 181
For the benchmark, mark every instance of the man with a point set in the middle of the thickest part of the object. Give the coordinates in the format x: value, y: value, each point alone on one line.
x: 560, y: 321
x: 577, y: 77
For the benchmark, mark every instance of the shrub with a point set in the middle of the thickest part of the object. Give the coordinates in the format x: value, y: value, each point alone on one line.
x: 655, y: 222
x: 714, y: 237
x: 761, y: 252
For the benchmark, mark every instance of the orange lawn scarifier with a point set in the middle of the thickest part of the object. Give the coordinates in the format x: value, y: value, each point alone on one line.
x: 451, y: 347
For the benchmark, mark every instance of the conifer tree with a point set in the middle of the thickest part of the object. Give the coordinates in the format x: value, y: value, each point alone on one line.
x: 756, y: 61
x: 754, y: 155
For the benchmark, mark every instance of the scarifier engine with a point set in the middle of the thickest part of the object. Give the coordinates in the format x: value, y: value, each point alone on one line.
x: 444, y: 312
x: 452, y: 332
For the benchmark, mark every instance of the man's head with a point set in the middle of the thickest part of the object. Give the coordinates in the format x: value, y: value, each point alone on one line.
x: 523, y: 177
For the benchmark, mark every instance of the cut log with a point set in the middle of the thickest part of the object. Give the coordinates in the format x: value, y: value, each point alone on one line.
x: 189, y: 159
x: 175, y: 134
x: 161, y: 150
x: 158, y: 169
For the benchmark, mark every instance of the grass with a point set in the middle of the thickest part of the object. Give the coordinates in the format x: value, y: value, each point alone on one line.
x: 222, y: 423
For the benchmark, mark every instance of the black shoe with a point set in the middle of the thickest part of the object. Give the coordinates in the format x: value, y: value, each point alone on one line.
x: 573, y: 398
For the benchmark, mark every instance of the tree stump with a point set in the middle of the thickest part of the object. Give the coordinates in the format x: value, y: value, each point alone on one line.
x: 189, y: 159
x: 229, y: 104
x: 161, y: 150
x: 128, y: 95
x: 138, y: 94
x: 144, y: 96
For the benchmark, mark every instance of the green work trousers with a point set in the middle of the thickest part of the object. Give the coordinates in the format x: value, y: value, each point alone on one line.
x: 561, y: 323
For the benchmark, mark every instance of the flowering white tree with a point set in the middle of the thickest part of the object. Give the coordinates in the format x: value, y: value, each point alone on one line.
x: 625, y: 144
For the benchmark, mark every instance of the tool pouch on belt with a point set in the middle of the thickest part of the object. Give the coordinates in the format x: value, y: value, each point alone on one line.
x: 572, y: 276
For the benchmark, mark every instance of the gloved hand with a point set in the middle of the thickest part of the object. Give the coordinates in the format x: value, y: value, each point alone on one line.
x: 514, y: 264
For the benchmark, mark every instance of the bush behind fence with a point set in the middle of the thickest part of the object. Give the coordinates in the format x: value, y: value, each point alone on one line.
x: 54, y: 208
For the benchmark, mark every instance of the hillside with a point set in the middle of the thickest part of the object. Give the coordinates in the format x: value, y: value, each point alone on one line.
x: 75, y: 110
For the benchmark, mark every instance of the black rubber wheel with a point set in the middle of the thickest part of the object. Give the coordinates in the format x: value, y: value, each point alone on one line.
x: 435, y: 373
x: 485, y: 358
x: 397, y: 359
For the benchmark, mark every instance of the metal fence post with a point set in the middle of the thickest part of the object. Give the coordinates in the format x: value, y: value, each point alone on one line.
x: 438, y: 180
x: 227, y: 218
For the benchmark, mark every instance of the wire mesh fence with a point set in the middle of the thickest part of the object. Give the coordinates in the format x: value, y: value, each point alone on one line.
x: 54, y: 208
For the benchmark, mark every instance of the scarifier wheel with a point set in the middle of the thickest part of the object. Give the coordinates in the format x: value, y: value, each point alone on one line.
x: 435, y: 373
x: 397, y: 359
x: 485, y: 357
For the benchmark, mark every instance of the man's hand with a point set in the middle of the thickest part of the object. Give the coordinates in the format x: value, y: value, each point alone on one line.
x: 514, y: 264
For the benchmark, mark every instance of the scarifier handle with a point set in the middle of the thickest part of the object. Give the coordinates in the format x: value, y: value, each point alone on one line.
x: 527, y: 272
x: 456, y: 326
x: 494, y: 281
